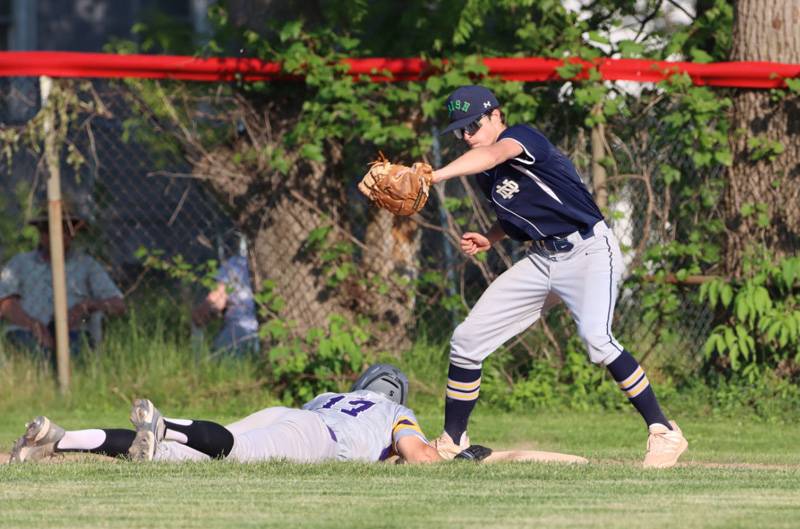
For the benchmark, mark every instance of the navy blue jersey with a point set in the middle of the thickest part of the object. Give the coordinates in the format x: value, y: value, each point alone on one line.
x: 539, y: 194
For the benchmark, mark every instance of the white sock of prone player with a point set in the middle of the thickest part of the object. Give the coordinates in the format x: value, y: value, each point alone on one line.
x: 207, y: 437
x: 111, y: 442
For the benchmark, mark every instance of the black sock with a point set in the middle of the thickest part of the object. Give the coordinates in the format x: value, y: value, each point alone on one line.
x: 463, y: 387
x: 633, y: 381
x: 207, y: 437
x: 116, y: 444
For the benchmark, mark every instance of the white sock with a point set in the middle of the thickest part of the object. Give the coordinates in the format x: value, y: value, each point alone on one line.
x: 82, y: 440
x: 172, y: 435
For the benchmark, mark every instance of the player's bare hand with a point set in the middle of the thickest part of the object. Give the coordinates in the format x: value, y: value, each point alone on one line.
x: 472, y: 243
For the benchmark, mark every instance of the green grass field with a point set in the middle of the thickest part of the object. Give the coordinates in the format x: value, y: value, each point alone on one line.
x: 218, y: 494
x: 740, y: 470
x: 734, y: 475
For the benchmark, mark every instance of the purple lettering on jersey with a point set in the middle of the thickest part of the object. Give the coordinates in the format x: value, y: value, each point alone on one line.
x: 360, y: 405
x: 332, y: 401
x: 363, y: 405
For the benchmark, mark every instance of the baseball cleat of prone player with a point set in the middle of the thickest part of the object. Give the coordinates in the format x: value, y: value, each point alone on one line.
x: 369, y: 423
x: 538, y: 196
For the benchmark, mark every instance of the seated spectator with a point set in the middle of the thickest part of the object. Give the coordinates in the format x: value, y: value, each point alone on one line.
x: 26, y: 292
x: 233, y: 297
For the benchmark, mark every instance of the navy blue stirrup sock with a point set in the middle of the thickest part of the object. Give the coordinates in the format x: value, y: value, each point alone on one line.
x: 207, y: 437
x: 463, y: 387
x: 116, y: 443
x: 633, y: 381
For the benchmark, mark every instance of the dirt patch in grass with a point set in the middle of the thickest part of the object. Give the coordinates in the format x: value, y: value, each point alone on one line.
x: 63, y: 457
x: 69, y: 457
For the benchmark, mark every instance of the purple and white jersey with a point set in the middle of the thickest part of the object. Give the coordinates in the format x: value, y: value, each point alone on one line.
x: 366, y: 424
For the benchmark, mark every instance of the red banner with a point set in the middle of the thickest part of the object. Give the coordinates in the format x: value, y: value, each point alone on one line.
x: 104, y: 65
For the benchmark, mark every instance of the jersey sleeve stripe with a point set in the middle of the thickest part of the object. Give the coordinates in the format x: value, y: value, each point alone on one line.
x: 403, y: 427
x: 531, y: 158
x: 404, y: 423
x: 544, y: 187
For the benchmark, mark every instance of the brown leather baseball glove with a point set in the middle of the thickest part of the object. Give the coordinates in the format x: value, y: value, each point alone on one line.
x: 399, y: 189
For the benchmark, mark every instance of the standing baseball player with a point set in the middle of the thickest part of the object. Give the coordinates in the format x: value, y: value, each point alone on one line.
x: 370, y: 423
x: 538, y: 196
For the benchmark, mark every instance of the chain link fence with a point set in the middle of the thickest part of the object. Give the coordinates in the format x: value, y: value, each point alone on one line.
x: 136, y: 198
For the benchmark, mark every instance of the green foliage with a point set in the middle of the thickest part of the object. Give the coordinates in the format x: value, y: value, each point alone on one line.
x: 793, y: 85
x: 297, y: 366
x: 335, y: 257
x: 762, y: 147
x: 146, y: 352
x: 760, y: 326
x: 69, y: 102
x: 697, y: 122
x: 573, y: 383
x: 16, y: 238
x: 340, y: 121
x: 709, y: 37
x: 323, y: 360
x: 178, y: 268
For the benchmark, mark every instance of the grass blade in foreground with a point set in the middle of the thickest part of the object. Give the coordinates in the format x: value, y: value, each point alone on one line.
x: 219, y: 494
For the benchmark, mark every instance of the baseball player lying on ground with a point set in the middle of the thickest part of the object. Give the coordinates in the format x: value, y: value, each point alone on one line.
x: 370, y: 423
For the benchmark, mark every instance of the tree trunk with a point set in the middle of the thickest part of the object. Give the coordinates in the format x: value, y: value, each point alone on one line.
x: 278, y: 214
x: 764, y: 30
x: 266, y: 208
x: 392, y: 246
x: 279, y: 249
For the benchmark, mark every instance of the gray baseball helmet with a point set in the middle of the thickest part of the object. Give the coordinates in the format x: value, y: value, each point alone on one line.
x: 385, y: 379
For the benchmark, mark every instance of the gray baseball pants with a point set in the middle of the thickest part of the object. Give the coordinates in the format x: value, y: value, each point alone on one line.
x: 272, y: 433
x: 585, y: 278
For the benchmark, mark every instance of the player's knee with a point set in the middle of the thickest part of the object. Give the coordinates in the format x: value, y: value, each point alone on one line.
x: 600, y: 345
x: 463, y: 337
x: 465, y: 347
x: 465, y: 362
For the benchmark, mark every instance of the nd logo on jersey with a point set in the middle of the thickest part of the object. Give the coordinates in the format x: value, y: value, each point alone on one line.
x: 507, y: 189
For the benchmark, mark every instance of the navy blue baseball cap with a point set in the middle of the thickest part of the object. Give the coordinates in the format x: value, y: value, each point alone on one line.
x: 467, y: 104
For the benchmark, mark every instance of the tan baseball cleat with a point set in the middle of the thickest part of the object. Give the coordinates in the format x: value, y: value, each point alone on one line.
x: 39, y: 441
x: 150, y: 430
x: 447, y: 448
x: 664, y: 446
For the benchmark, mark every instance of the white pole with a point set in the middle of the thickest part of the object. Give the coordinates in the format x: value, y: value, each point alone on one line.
x: 599, y: 177
x: 55, y: 224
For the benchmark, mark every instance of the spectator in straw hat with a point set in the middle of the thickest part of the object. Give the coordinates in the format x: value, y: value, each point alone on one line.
x: 26, y: 290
